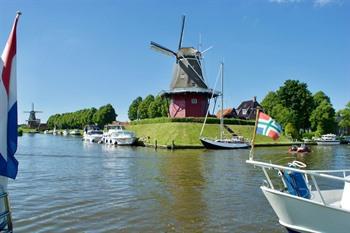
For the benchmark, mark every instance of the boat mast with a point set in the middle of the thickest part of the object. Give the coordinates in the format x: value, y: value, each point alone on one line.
x: 222, y: 102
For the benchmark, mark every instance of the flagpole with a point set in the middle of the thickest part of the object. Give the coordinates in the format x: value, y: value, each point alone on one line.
x: 251, y: 153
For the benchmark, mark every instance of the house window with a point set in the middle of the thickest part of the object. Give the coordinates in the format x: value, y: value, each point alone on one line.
x: 244, y: 111
x: 194, y: 101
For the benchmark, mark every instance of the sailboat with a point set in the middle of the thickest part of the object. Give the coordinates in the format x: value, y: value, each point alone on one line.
x: 235, y: 142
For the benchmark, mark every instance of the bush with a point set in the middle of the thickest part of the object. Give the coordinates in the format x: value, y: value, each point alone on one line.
x: 308, y: 135
x: 210, y: 120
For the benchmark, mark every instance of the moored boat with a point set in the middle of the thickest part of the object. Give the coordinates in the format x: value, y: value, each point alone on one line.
x: 235, y: 142
x: 75, y: 132
x: 117, y: 135
x: 92, y: 133
x: 328, y: 139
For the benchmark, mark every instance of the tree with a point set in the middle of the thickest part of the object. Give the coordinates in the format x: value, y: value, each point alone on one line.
x: 158, y: 108
x: 133, y: 109
x: 323, y: 118
x: 270, y: 100
x: 296, y: 96
x: 291, y: 131
x: 144, y: 105
x: 283, y: 115
x: 104, y: 115
x: 344, y: 116
x: 319, y: 97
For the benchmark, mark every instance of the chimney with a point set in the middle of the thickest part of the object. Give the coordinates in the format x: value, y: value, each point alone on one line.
x: 254, y: 99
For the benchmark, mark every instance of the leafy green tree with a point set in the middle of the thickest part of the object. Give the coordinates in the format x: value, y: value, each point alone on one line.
x: 269, y: 102
x: 283, y: 115
x: 291, y: 131
x: 323, y: 118
x: 344, y: 116
x: 319, y: 97
x: 158, y: 108
x: 165, y: 107
x: 144, y: 105
x: 133, y: 108
x: 296, y: 96
x: 104, y: 115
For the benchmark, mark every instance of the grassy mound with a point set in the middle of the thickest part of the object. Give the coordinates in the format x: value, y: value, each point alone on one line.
x: 188, y: 133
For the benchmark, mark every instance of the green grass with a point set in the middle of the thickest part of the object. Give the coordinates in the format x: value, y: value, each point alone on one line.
x: 188, y: 133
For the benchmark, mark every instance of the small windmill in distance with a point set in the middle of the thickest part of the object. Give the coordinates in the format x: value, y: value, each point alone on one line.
x: 32, y: 121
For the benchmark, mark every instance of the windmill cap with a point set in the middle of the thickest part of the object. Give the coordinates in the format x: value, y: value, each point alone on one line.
x: 188, y: 51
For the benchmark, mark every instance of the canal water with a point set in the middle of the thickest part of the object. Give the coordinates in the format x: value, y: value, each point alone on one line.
x: 66, y: 185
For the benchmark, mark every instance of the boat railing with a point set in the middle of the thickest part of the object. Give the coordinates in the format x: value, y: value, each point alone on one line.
x: 5, y: 214
x: 311, y: 173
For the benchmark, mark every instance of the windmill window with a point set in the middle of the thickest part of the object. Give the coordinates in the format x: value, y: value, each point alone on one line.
x: 194, y: 101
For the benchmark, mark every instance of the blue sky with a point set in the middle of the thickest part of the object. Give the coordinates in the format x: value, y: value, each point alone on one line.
x: 83, y: 53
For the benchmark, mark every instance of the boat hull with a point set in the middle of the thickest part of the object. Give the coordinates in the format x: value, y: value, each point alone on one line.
x: 328, y: 143
x: 92, y: 138
x: 120, y: 141
x: 212, y: 144
x: 306, y: 216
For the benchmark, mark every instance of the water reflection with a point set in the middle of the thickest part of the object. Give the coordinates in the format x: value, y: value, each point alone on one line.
x: 184, y: 182
x: 66, y: 185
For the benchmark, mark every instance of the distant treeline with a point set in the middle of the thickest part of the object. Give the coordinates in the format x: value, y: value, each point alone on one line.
x: 72, y: 120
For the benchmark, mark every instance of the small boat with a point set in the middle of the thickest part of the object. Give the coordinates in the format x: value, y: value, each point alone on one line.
x: 75, y: 132
x: 55, y: 131
x: 235, y: 142
x: 299, y: 149
x: 92, y: 133
x: 117, y: 135
x: 302, y: 206
x: 328, y: 139
x: 65, y: 132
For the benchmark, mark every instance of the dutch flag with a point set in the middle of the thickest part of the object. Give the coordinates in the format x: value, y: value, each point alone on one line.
x: 8, y: 106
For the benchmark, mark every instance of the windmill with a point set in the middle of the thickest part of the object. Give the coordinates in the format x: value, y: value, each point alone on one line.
x: 33, y: 122
x: 189, y: 94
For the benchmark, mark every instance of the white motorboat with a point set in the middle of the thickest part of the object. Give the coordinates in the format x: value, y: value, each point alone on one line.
x: 328, y: 139
x: 235, y: 141
x: 75, y: 132
x: 117, y: 135
x: 92, y: 133
x: 304, y: 206
x: 65, y: 132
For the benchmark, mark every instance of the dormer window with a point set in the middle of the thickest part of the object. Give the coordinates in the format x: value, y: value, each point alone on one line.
x: 244, y: 111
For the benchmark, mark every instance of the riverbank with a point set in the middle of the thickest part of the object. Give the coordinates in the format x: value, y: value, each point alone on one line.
x: 180, y: 135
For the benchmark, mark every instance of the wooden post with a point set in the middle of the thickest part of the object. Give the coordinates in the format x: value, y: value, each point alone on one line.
x: 155, y: 144
x: 172, y: 144
x: 251, y: 154
x: 9, y: 217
